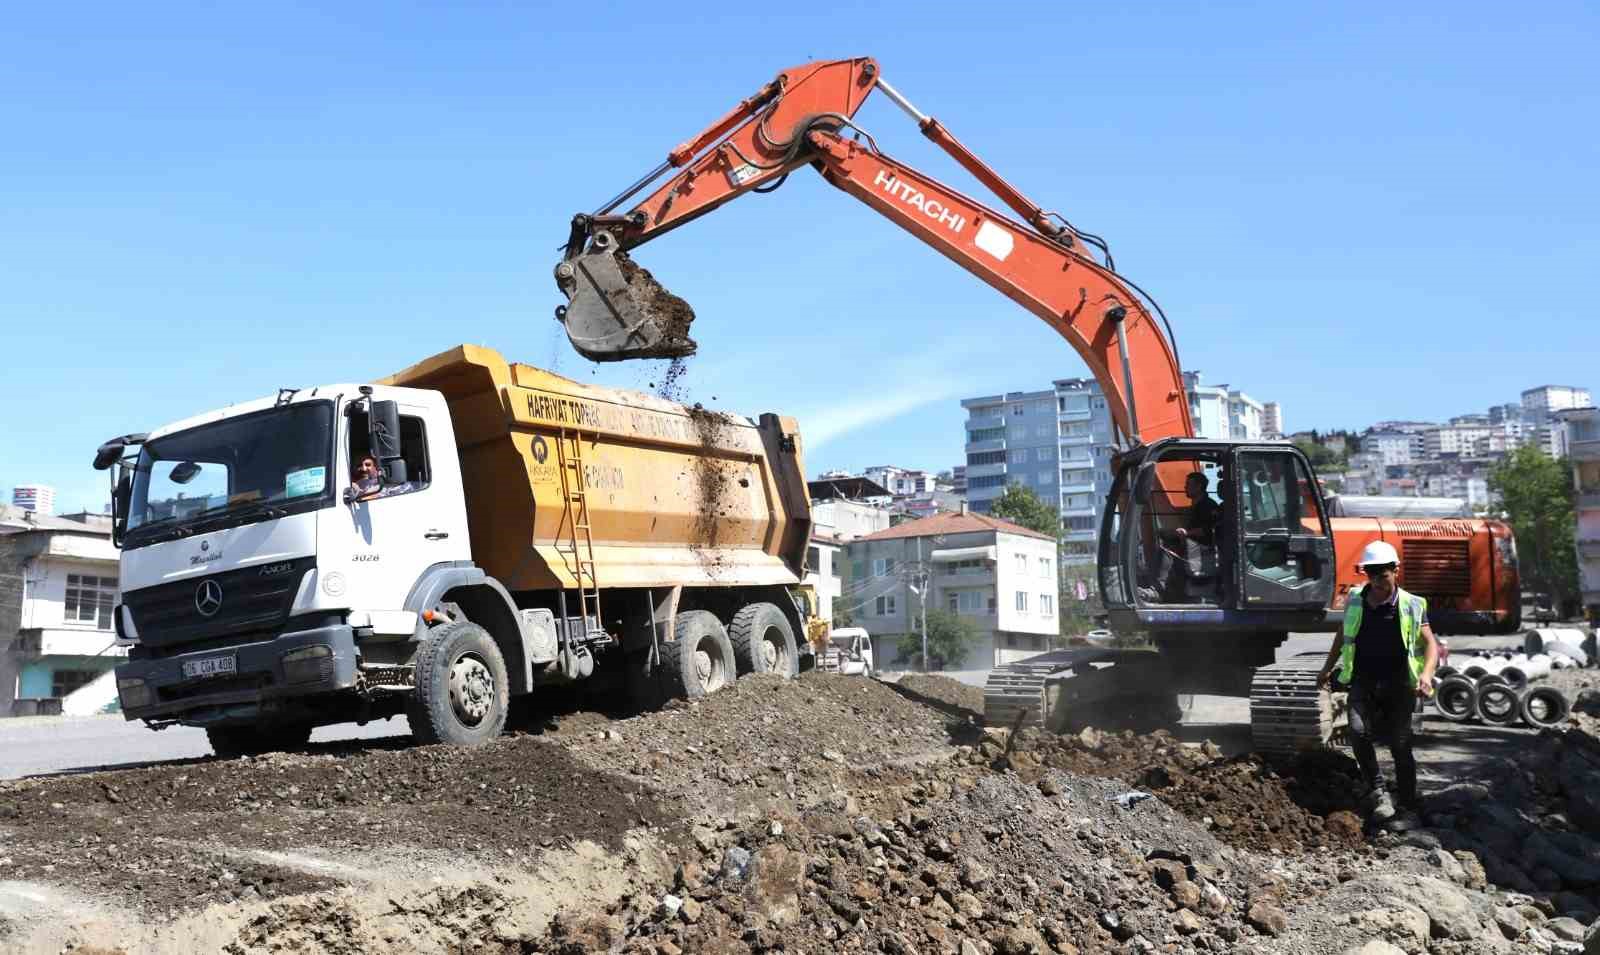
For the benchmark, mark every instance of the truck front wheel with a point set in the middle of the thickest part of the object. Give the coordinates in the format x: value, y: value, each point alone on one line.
x: 700, y: 659
x: 763, y: 641
x: 461, y: 691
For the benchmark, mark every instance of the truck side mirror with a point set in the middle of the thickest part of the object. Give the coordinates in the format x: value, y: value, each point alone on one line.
x: 119, y: 507
x: 383, y: 438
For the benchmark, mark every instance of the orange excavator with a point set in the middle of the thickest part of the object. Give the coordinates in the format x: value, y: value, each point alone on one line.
x: 1216, y: 600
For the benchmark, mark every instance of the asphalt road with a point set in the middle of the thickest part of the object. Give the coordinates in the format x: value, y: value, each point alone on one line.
x: 31, y: 745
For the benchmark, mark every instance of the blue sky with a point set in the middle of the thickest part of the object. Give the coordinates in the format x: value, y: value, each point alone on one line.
x: 1363, y: 211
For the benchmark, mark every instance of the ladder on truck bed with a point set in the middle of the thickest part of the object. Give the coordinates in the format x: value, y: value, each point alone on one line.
x: 576, y: 545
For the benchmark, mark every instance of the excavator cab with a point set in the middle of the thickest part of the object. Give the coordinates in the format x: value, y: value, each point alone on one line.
x: 1203, y: 534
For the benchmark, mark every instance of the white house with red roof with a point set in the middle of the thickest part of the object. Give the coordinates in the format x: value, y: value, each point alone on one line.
x: 1000, y: 576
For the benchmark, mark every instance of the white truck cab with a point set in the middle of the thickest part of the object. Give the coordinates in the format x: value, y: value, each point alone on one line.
x: 252, y: 565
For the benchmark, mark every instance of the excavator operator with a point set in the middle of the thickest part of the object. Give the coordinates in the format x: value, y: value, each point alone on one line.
x: 1386, y: 654
x: 1188, y: 568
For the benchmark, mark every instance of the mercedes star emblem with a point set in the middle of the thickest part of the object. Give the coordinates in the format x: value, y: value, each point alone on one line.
x: 208, y: 598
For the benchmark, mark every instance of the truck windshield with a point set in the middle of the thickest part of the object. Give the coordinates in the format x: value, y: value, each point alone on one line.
x: 235, y: 471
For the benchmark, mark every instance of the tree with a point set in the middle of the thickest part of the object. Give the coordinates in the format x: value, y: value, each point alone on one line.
x: 842, y: 617
x: 1020, y: 505
x: 1537, y: 495
x: 950, y: 636
x: 1320, y: 456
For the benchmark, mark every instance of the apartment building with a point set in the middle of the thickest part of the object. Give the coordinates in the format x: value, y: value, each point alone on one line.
x: 998, y: 575
x: 58, y: 588
x: 1582, y: 440
x: 1457, y: 439
x: 1271, y: 421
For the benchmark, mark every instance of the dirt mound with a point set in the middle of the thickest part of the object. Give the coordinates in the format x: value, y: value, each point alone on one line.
x: 1246, y: 801
x: 946, y: 856
x: 951, y: 697
x: 152, y: 836
x: 766, y: 741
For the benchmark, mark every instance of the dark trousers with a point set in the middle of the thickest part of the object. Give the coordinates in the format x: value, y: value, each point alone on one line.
x: 1382, y: 708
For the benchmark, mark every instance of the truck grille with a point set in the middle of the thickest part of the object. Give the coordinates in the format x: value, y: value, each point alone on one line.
x: 1436, y: 567
x: 252, y: 599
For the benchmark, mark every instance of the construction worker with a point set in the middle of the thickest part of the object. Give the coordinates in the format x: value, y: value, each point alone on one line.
x: 1386, y: 654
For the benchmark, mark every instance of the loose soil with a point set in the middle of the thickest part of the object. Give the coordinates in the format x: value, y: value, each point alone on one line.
x: 671, y: 314
x: 827, y: 813
x: 710, y: 486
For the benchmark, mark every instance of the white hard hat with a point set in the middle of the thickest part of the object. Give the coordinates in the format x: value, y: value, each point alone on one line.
x: 1378, y: 553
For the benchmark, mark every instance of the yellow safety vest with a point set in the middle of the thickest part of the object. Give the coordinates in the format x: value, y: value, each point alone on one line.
x: 1413, y: 614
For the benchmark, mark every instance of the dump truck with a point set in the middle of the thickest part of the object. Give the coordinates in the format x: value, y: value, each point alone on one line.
x: 440, y: 541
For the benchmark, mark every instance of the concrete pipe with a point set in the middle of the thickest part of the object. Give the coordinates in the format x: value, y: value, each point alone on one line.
x: 1456, y: 698
x: 1568, y: 640
x: 1498, y: 705
x: 1544, y: 707
x: 1514, y: 677
x: 1538, y: 666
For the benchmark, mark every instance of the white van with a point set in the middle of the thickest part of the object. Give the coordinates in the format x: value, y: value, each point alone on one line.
x: 849, y: 651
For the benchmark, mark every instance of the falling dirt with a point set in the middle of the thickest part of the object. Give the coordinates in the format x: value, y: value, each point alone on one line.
x: 671, y: 385
x: 711, y: 475
x: 670, y: 313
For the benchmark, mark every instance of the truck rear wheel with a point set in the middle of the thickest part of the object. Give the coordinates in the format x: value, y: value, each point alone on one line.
x: 700, y: 659
x: 461, y: 695
x: 231, y: 742
x: 763, y: 641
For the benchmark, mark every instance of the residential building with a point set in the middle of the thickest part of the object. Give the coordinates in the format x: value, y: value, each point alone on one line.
x: 842, y: 509
x: 1538, y: 403
x: 1457, y: 439
x: 848, y: 508
x: 1395, y: 447
x: 1086, y: 437
x: 1059, y: 444
x: 1011, y: 439
x: 1582, y: 440
x: 38, y: 498
x: 58, y: 588
x: 824, y: 569
x: 1223, y: 413
x: 901, y: 482
x: 958, y: 481
x: 998, y: 575
x: 1271, y: 421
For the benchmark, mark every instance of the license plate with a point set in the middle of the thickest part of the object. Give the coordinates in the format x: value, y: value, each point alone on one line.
x: 210, y: 666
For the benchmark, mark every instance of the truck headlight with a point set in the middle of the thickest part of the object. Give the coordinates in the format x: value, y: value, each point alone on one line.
x: 308, y: 664
x: 133, y: 692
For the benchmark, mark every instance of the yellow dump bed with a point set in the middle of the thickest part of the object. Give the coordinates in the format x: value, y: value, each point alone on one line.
x: 671, y: 494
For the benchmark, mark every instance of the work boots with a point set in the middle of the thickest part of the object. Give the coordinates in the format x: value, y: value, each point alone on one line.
x: 1376, y: 804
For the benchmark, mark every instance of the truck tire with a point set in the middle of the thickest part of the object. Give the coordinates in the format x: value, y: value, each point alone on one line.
x: 699, y: 660
x: 231, y: 742
x: 763, y: 641
x: 462, y: 690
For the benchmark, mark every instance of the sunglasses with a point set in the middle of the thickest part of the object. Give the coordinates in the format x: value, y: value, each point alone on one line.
x: 1377, y: 570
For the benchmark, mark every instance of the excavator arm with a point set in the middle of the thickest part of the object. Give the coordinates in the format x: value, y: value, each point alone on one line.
x: 616, y: 310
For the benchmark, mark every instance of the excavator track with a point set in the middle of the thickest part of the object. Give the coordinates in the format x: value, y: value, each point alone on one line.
x: 1018, y: 693
x: 1289, y: 713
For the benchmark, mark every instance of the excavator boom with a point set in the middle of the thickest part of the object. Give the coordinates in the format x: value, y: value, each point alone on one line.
x: 617, y: 311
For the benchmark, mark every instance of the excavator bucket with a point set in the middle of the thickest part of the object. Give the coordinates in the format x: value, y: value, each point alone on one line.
x: 616, y: 310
